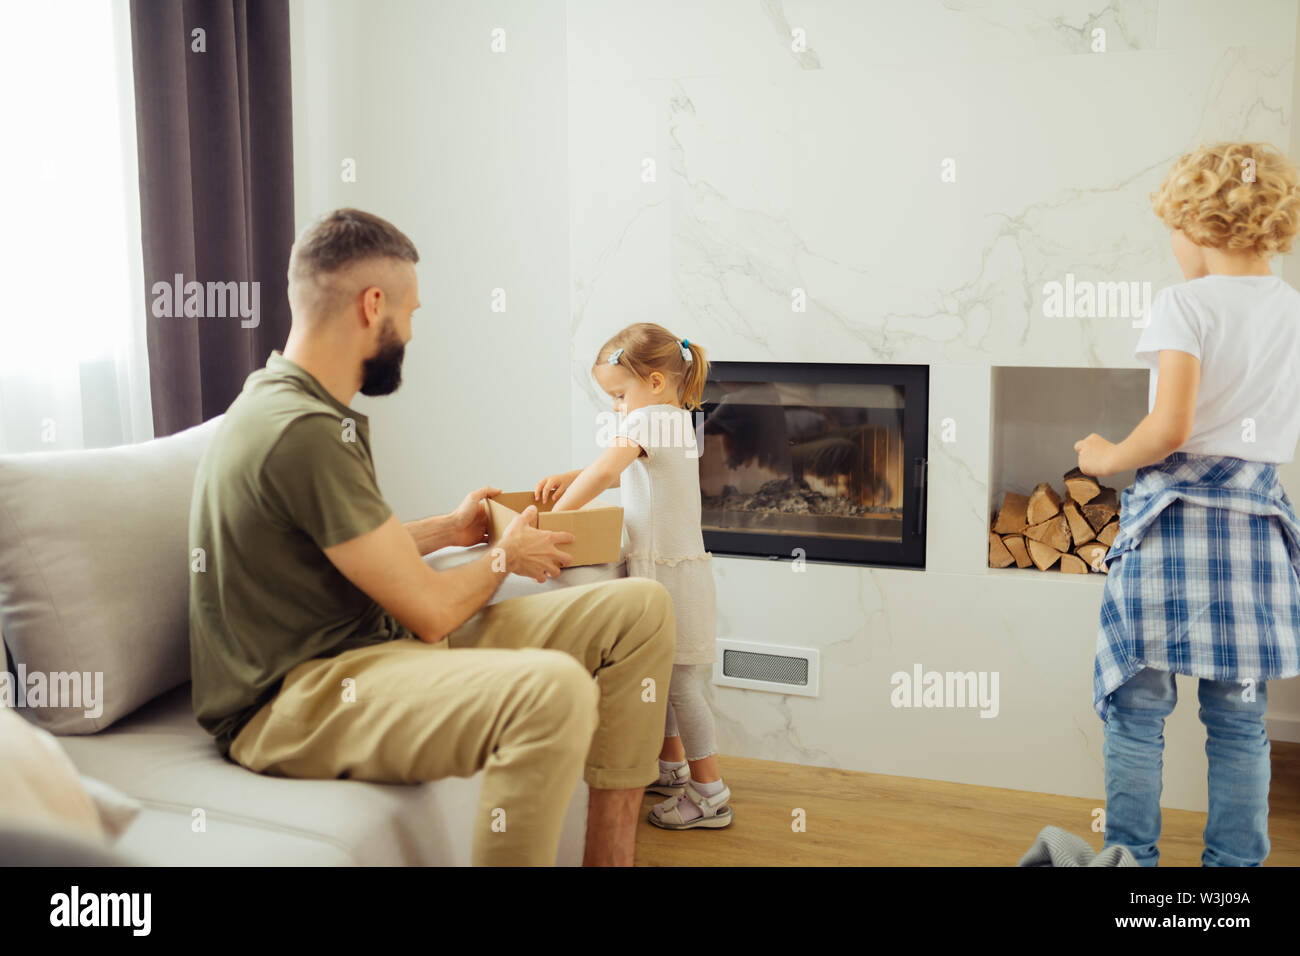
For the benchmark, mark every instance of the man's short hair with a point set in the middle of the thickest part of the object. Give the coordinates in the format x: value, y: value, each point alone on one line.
x: 331, y: 247
x: 345, y: 237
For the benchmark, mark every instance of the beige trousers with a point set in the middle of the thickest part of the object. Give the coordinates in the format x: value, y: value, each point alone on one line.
x: 530, y: 690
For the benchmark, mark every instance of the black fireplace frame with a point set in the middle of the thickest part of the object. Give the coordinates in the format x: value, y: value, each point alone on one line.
x: 915, y: 383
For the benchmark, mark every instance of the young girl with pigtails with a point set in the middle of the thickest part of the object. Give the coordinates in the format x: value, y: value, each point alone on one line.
x: 655, y: 379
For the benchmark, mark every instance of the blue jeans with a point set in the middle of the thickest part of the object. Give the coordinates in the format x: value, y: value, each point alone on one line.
x: 1236, y: 832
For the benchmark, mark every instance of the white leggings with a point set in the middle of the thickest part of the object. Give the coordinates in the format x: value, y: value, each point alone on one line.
x: 686, y: 704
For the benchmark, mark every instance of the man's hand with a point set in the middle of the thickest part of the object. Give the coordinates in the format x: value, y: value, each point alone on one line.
x: 530, y: 552
x: 469, y: 522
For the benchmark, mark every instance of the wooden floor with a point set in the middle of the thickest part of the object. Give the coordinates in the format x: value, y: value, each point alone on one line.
x: 865, y: 819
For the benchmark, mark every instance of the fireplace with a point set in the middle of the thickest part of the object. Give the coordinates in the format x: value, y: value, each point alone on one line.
x: 820, y: 462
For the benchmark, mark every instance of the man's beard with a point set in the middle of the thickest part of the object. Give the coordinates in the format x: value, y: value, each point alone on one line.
x: 382, y: 373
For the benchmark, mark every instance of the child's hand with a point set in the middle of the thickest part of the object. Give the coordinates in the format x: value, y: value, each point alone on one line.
x: 1094, y: 456
x: 551, y: 487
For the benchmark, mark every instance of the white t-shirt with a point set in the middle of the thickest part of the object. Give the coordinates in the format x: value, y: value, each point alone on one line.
x: 661, y: 511
x: 1246, y: 332
x: 661, y: 490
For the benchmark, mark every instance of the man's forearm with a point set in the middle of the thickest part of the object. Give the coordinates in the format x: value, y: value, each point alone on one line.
x: 431, y: 533
x: 465, y: 589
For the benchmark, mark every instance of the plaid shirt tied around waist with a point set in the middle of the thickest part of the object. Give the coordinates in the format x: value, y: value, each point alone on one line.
x: 1204, y: 576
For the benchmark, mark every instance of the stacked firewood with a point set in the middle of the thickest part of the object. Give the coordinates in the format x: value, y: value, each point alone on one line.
x: 1044, y: 530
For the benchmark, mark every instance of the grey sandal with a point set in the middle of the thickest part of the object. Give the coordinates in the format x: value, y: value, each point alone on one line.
x: 715, y: 813
x: 672, y: 783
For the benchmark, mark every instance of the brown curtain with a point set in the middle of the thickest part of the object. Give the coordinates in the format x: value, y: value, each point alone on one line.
x: 215, y: 139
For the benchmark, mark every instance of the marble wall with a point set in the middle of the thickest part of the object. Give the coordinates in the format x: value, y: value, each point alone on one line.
x: 464, y: 148
x: 920, y: 171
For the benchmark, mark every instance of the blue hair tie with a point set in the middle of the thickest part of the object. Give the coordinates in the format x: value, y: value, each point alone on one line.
x: 686, y: 351
x: 613, y: 359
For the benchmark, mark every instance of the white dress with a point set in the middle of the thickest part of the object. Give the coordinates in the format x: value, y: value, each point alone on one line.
x: 661, y: 511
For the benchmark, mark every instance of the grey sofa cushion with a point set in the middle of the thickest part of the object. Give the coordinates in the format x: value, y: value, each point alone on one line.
x: 94, y: 571
x: 164, y: 759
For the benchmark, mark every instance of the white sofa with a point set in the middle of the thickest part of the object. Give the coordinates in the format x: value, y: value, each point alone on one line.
x: 155, y: 751
x: 161, y: 756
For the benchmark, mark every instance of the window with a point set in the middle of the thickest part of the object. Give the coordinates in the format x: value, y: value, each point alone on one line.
x: 73, y: 362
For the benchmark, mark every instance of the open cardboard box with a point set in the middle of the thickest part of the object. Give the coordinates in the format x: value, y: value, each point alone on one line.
x: 597, y: 527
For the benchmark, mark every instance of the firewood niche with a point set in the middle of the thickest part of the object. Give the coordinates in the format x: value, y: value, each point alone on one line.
x: 1044, y: 530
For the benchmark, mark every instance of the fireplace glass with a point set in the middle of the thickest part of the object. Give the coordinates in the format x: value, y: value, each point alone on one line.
x: 824, y: 462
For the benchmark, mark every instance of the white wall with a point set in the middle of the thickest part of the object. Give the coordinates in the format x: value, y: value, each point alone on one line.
x: 777, y: 169
x: 465, y: 151
x: 819, y: 169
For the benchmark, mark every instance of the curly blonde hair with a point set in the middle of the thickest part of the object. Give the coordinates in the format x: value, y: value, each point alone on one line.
x: 1238, y: 197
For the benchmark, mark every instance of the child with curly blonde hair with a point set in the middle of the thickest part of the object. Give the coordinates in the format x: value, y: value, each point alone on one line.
x: 655, y: 379
x: 1204, y: 575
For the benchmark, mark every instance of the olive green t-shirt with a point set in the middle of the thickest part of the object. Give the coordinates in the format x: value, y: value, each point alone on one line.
x: 287, y: 473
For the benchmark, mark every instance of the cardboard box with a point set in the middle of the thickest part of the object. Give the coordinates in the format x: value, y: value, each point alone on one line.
x: 597, y: 527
